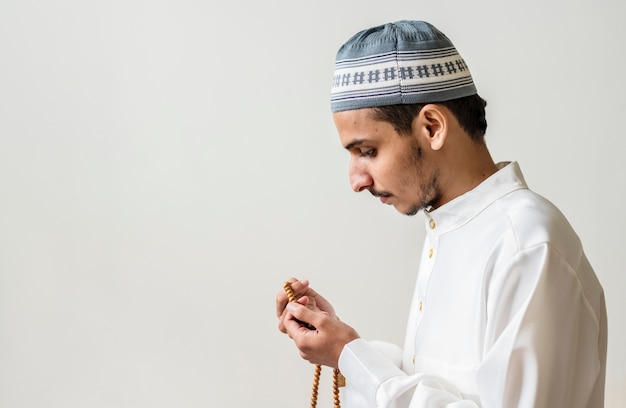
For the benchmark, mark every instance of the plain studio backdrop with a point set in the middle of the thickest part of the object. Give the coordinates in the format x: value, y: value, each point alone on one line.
x: 166, y: 165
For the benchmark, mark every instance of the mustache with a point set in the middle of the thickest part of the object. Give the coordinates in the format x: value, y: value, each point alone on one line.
x: 376, y: 193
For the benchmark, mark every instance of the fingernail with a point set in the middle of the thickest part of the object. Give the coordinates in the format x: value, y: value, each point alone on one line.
x: 290, y: 307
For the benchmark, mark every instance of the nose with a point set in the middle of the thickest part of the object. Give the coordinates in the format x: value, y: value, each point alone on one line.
x: 359, y: 177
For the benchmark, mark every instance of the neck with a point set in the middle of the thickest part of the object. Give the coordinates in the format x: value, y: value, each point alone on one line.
x: 466, y: 173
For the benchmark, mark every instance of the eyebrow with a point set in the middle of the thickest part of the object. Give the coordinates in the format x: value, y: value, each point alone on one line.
x: 354, y: 143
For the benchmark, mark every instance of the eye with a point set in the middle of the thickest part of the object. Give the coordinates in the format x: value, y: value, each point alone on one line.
x: 367, y: 152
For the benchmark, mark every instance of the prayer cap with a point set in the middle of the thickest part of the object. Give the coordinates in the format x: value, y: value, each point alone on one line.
x: 398, y: 63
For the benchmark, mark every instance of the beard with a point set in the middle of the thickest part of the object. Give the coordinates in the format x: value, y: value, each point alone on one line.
x: 430, y: 194
x: 429, y: 191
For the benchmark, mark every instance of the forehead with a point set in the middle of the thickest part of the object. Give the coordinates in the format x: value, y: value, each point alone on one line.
x: 358, y: 125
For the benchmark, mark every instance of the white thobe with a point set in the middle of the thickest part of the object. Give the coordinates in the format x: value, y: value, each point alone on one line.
x: 507, y: 312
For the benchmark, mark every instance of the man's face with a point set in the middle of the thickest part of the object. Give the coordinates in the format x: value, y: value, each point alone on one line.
x: 391, y: 166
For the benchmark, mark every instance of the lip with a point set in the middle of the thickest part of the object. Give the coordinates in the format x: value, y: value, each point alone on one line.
x: 383, y: 199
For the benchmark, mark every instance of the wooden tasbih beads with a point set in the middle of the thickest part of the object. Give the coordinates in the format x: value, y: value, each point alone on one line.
x: 338, y: 379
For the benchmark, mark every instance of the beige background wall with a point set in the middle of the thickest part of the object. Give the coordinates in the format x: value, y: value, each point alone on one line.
x: 166, y: 165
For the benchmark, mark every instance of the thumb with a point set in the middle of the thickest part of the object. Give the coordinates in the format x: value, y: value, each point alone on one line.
x: 304, y: 315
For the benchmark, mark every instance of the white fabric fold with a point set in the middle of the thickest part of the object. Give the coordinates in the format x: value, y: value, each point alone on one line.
x: 507, y: 312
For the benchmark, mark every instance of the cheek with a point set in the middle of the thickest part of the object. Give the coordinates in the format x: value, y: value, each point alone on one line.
x: 386, y: 172
x: 410, y: 172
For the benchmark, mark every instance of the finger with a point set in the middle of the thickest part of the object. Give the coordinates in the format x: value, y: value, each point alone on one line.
x: 298, y: 331
x: 299, y: 287
x: 287, y: 318
x: 281, y: 326
x: 309, y: 302
x: 281, y: 302
x: 303, y: 315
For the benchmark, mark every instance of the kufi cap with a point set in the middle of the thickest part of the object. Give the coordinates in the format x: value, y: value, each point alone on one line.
x: 398, y: 63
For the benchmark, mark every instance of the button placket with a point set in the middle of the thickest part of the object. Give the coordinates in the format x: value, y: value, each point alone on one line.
x: 427, y: 265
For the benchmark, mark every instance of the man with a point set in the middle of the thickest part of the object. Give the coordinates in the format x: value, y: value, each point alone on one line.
x: 507, y: 311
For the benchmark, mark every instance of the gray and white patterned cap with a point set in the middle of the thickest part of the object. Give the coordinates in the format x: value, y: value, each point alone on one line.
x: 398, y: 63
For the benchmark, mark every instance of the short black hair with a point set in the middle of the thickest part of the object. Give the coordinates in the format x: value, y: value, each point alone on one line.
x: 469, y: 112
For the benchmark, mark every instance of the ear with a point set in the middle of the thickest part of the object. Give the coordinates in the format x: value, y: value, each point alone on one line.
x: 432, y: 124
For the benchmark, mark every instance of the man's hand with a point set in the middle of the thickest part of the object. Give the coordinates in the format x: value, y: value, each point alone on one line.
x: 312, y: 324
x: 321, y: 344
x: 305, y: 296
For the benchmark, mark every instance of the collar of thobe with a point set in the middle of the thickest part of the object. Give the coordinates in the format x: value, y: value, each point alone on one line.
x: 463, y: 208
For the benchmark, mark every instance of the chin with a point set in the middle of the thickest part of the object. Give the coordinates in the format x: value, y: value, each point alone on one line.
x: 410, y: 211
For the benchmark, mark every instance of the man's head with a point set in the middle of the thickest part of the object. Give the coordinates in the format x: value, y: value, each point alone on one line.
x: 401, y: 98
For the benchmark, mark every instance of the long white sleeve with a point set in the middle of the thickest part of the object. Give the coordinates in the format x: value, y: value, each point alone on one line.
x: 375, y: 381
